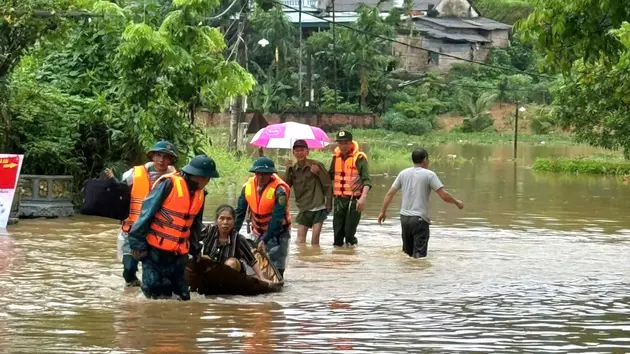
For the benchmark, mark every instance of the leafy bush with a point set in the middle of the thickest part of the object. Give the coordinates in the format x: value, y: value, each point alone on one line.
x: 398, y: 122
x: 477, y: 116
x: 582, y: 165
x: 332, y: 101
x: 505, y: 11
x: 543, y: 121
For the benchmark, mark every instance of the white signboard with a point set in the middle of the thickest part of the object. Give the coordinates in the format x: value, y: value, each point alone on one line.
x: 10, y: 166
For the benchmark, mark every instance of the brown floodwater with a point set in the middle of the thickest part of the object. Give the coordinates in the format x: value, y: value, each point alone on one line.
x: 534, y: 263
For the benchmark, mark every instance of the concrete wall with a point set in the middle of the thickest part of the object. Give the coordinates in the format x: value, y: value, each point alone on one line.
x: 327, y: 121
x: 411, y: 59
x: 417, y: 60
x: 499, y: 38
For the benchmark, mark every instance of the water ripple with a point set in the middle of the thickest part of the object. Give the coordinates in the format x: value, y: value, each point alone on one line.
x: 482, y: 289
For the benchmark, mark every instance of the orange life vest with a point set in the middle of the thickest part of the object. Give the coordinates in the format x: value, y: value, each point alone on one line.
x: 261, y: 207
x: 347, y: 182
x: 170, y: 228
x: 139, y: 191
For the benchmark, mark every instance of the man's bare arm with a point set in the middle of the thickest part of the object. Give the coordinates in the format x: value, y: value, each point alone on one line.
x: 388, y: 199
x: 448, y: 198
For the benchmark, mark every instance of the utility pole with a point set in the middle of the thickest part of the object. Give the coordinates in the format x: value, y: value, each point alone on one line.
x: 236, y: 109
x: 516, y: 130
x: 334, y: 52
x: 300, y: 56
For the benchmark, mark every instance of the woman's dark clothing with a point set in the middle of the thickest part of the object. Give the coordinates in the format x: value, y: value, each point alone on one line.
x: 237, y: 247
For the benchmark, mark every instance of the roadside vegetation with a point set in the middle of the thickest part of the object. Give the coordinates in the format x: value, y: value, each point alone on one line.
x: 602, y: 164
x: 79, y: 94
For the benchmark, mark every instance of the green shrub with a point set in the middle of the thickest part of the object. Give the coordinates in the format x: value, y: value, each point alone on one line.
x: 543, y: 121
x: 399, y: 122
x: 477, y: 115
x: 582, y: 165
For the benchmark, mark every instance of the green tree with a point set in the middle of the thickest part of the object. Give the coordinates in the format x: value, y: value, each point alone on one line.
x: 363, y: 61
x: 569, y: 30
x: 506, y: 11
x: 477, y: 111
x: 588, y: 41
x: 277, y: 80
x: 21, y: 26
x: 107, y: 88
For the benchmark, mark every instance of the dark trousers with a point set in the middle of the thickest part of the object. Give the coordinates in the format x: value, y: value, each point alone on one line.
x: 415, y: 236
x: 163, y: 275
x: 345, y: 220
x: 130, y: 268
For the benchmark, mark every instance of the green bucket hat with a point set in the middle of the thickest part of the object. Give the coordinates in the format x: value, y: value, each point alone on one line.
x: 263, y: 165
x: 164, y: 147
x: 203, y: 166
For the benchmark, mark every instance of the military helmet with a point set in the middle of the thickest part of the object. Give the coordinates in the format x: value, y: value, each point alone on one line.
x: 202, y: 166
x: 263, y: 165
x: 164, y: 147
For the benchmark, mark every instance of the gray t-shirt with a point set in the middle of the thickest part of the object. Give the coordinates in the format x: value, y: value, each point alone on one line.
x: 416, y: 184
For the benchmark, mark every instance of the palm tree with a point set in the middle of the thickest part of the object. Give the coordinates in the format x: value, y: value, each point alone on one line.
x: 477, y: 112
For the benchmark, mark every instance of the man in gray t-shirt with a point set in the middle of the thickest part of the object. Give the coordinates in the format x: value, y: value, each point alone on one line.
x: 416, y: 184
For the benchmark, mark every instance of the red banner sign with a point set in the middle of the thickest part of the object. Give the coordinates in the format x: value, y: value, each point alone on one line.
x: 9, y: 171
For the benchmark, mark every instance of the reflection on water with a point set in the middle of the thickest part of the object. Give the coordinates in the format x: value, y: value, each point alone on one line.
x: 533, y: 263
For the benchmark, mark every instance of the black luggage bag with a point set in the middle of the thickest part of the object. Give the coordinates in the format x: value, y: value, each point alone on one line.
x: 107, y: 198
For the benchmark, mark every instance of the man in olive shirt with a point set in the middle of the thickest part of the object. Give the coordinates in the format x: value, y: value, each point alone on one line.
x: 351, y: 184
x: 313, y: 192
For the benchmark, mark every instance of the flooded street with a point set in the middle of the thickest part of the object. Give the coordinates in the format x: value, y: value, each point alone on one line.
x: 534, y: 263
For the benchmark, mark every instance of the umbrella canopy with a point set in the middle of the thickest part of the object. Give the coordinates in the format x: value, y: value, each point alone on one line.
x: 283, y: 135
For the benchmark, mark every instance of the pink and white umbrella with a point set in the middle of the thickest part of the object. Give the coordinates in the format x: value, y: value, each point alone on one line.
x: 283, y: 135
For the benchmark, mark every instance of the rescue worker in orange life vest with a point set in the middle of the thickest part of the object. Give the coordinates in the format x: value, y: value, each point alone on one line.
x: 168, y: 229
x: 266, y: 195
x: 351, y: 184
x: 140, y: 178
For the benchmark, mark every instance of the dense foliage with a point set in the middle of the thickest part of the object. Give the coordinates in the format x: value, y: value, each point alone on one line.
x: 506, y: 11
x: 105, y: 89
x: 588, y: 42
x: 80, y: 93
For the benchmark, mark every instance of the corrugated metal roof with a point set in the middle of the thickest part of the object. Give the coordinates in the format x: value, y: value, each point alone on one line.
x: 340, y: 17
x: 464, y: 23
x: 352, y: 5
x: 460, y: 37
x: 487, y: 23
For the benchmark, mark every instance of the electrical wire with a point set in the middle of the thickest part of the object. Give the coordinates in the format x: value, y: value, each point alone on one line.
x: 224, y: 12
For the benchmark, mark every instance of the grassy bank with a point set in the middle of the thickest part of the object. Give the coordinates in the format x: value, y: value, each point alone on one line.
x: 385, y: 148
x: 386, y: 138
x: 604, y: 164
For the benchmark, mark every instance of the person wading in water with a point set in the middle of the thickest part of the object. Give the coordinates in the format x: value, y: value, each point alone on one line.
x: 266, y: 195
x: 313, y: 192
x: 351, y: 184
x: 140, y: 178
x: 222, y: 244
x: 416, y: 184
x: 169, y: 228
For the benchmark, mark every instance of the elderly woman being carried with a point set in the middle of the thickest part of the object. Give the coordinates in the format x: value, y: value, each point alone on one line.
x: 222, y: 244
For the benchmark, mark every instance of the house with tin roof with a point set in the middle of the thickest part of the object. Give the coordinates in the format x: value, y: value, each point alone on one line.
x: 451, y: 29
x: 448, y: 28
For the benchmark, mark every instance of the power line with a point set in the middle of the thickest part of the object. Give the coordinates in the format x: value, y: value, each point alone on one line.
x: 413, y: 46
x: 224, y: 12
